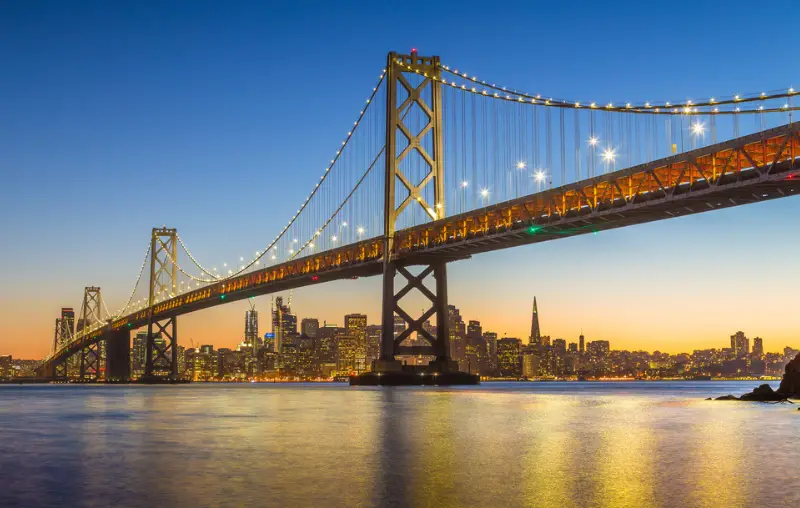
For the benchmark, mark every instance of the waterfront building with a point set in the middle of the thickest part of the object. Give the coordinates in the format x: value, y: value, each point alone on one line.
x: 355, y: 326
x: 346, y: 347
x: 491, y: 345
x: 138, y: 352
x: 476, y: 351
x: 509, y: 357
x: 5, y: 367
x: 373, y: 338
x: 457, y: 337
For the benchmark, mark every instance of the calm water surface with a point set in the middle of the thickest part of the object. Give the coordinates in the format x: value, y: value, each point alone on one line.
x: 500, y: 444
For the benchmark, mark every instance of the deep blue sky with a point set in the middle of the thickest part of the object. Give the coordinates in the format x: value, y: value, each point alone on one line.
x: 216, y: 118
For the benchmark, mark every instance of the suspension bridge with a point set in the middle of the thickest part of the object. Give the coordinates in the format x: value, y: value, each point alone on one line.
x: 440, y: 165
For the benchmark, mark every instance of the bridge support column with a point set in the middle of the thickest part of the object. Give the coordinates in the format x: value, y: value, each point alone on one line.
x: 118, y: 356
x: 59, y: 372
x: 441, y: 369
x: 90, y: 362
x: 161, y: 355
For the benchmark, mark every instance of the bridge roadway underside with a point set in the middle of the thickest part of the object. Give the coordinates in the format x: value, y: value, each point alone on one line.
x: 749, y: 191
x: 751, y: 169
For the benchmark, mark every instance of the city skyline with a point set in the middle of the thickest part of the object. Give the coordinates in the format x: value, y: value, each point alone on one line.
x: 203, y: 121
x: 247, y: 335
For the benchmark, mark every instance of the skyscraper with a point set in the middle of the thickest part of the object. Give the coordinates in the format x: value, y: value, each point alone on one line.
x: 740, y: 344
x: 536, y: 333
x: 138, y: 352
x: 284, y: 324
x: 458, y: 332
x: 356, y: 327
x: 758, y: 346
x: 581, y: 344
x: 509, y: 357
x: 309, y: 327
x: 399, y: 325
x: 251, y: 336
x: 373, y: 335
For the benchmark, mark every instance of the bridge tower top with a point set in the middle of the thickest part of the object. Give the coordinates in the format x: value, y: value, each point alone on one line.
x: 163, y: 267
x: 410, y: 84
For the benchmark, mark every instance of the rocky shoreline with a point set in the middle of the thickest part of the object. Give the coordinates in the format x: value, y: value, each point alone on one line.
x: 788, y: 389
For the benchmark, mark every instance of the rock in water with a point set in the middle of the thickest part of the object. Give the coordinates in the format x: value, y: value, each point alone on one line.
x: 790, y: 385
x: 763, y: 393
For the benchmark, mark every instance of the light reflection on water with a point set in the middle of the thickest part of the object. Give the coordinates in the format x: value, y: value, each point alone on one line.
x: 540, y: 444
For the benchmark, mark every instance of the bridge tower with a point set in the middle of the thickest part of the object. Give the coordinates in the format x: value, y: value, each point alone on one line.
x: 90, y: 354
x: 427, y: 96
x: 161, y: 353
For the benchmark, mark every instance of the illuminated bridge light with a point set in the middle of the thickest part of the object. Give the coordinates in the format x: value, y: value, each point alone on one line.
x: 534, y: 229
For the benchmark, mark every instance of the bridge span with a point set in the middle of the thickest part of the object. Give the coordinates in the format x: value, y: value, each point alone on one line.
x: 741, y: 170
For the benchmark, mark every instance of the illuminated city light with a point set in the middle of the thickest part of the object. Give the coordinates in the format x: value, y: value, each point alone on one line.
x: 698, y: 128
x: 484, y: 192
x: 464, y: 184
x: 609, y: 155
x: 593, y: 141
x: 539, y: 176
x: 521, y: 165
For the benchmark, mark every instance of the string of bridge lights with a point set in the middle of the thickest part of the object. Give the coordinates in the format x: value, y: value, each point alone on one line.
x: 646, y: 107
x: 360, y: 230
x: 136, y: 285
x: 665, y: 108
x: 183, y: 245
x: 293, y: 254
x: 305, y: 203
x: 689, y: 107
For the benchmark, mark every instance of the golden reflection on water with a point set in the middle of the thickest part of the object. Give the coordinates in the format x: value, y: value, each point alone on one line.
x: 624, y: 462
x: 719, y: 455
x: 551, y: 452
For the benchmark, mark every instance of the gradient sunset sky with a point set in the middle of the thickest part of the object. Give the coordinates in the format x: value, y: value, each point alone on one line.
x: 216, y: 117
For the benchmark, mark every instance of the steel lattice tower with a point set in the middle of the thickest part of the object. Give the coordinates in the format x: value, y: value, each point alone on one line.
x: 161, y: 355
x: 399, y: 68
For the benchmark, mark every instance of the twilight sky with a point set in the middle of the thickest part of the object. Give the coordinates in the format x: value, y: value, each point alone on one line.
x: 216, y: 117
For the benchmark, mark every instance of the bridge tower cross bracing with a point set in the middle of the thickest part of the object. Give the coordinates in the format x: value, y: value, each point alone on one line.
x: 399, y: 69
x: 161, y: 353
x: 90, y: 354
x: 89, y: 360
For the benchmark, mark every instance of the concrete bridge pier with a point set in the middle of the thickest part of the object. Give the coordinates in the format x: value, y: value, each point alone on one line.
x: 118, y: 356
